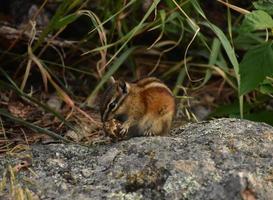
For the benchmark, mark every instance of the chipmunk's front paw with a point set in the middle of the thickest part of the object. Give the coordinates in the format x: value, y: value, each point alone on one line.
x: 123, y: 132
x: 115, y: 129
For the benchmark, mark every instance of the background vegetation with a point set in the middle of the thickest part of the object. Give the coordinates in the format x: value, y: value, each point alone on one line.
x: 55, y: 57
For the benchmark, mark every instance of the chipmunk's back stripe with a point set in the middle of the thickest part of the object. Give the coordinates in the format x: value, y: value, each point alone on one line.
x: 151, y: 82
x: 157, y: 85
x: 146, y: 81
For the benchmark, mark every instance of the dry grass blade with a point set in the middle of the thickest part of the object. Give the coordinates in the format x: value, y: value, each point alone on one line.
x: 219, y: 71
x: 101, y: 64
x: 26, y: 75
x: 21, y: 33
x: 33, y: 126
x: 196, y: 28
x: 45, y: 75
x: 12, y: 186
x: 236, y: 8
x: 108, y: 74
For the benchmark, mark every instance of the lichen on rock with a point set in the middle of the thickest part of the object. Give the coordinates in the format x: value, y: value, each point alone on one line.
x: 219, y: 159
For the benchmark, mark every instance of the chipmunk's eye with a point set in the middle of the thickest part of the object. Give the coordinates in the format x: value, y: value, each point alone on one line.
x: 112, y: 105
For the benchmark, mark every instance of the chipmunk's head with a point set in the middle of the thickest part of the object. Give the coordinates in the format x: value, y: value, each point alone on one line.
x: 112, y: 98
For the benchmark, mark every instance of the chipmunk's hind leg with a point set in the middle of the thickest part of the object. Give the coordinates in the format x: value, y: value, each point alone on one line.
x: 149, y: 130
x: 159, y: 127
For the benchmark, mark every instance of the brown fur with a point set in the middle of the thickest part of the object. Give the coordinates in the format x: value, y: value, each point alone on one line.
x: 150, y: 107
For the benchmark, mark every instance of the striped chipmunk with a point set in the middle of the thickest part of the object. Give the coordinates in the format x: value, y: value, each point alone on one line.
x: 142, y: 108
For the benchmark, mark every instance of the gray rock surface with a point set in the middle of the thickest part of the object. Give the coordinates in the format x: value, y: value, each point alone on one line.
x: 220, y: 159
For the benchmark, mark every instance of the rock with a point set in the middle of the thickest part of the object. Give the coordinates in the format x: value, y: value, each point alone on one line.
x: 219, y: 159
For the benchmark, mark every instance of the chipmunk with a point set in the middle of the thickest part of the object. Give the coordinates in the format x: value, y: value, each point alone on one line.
x: 142, y: 108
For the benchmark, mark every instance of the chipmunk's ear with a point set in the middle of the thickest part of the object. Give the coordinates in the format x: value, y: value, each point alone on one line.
x: 123, y: 86
x: 110, y: 81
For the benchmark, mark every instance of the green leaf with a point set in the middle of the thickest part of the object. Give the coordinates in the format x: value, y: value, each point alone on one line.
x: 265, y: 5
x: 227, y: 46
x: 263, y: 116
x: 255, y: 66
x: 64, y: 7
x: 256, y: 20
x: 215, y: 51
x: 266, y: 87
x: 249, y: 40
x: 229, y: 110
x: 63, y: 22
